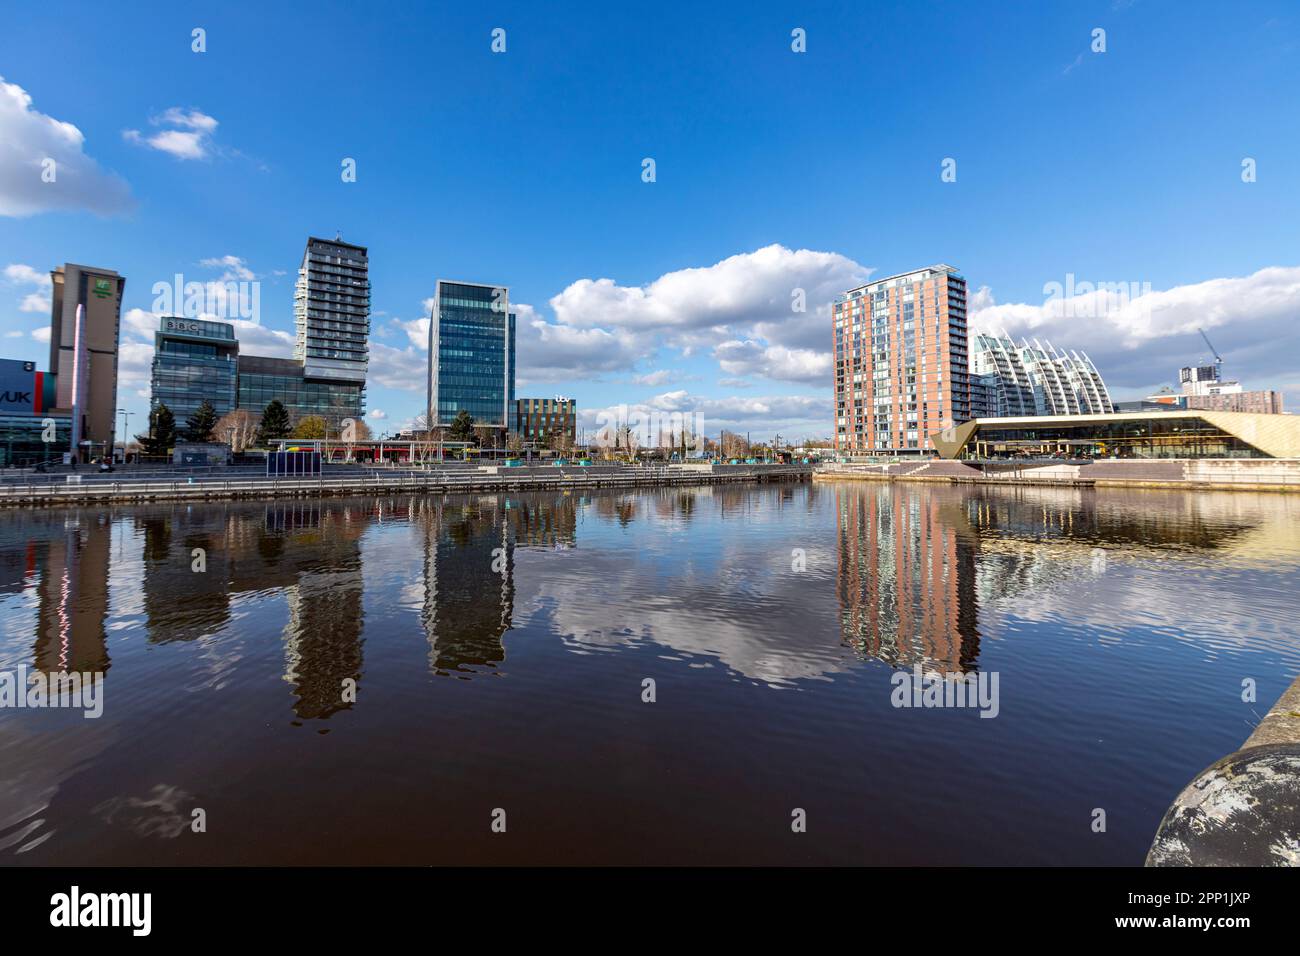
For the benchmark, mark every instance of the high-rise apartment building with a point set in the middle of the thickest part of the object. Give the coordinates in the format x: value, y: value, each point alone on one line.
x: 332, y: 313
x: 471, y: 355
x: 900, y: 362
x: 83, y: 356
x: 1035, y: 379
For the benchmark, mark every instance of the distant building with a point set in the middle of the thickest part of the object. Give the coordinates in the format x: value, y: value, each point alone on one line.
x: 85, y: 365
x: 900, y: 362
x: 1037, y: 379
x: 471, y: 355
x: 545, y: 419
x: 1204, y: 380
x: 1264, y: 402
x: 27, y: 396
x: 193, y: 360
x: 1204, y: 388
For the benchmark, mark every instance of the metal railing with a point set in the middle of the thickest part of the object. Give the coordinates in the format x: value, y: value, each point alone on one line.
x: 503, y: 480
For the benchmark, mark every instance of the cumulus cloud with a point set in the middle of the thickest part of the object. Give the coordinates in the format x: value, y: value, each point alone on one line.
x: 43, y: 165
x: 234, y: 268
x: 403, y: 369
x: 1138, y: 336
x: 776, y: 297
x: 793, y: 416
x: 24, y: 275
x: 378, y: 414
x: 185, y: 134
x: 654, y: 379
x: 773, y: 361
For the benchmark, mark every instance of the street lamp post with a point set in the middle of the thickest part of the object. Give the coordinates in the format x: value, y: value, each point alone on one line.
x: 126, y: 430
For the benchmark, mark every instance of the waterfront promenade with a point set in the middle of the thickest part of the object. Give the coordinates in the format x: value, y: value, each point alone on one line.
x: 216, y: 484
x: 1211, y: 474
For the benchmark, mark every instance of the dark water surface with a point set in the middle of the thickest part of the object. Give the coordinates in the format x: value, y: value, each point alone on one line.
x: 499, y: 646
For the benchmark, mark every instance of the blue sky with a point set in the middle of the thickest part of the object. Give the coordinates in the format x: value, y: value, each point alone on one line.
x: 775, y: 170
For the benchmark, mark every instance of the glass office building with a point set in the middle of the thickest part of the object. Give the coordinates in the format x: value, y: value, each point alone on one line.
x: 471, y: 355
x: 194, y: 360
x: 262, y: 380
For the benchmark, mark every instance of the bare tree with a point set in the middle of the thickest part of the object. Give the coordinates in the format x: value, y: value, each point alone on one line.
x: 237, y: 428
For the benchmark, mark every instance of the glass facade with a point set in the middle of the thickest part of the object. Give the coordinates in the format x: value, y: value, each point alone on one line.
x: 262, y: 380
x: 1037, y: 379
x: 472, y: 354
x: 22, y: 444
x: 194, y: 360
x: 1156, y: 437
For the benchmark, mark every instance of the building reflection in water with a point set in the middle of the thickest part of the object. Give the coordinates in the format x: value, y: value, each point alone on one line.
x: 907, y: 578
x: 917, y: 562
x: 469, y: 553
x: 309, y: 551
x: 70, y: 556
x: 322, y: 639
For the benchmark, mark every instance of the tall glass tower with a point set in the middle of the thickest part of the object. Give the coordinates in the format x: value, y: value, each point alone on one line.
x: 471, y: 355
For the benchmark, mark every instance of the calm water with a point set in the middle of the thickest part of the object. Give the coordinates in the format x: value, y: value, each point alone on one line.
x: 499, y: 646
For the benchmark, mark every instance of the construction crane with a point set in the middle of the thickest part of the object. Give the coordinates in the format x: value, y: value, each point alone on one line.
x: 1218, y: 359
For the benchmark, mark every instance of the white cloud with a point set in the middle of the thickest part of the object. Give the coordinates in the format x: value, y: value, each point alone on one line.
x: 35, y: 302
x: 404, y: 369
x: 601, y: 326
x: 235, y: 269
x: 774, y: 361
x: 793, y: 416
x: 654, y: 379
x: 189, y: 135
x: 378, y: 414
x: 740, y: 290
x: 24, y: 275
x: 1131, y: 336
x: 28, y: 141
x: 42, y: 334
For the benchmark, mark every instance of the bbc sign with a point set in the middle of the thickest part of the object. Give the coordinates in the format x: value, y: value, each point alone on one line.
x: 20, y: 387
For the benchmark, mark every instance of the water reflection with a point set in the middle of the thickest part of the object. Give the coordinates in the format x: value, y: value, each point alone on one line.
x: 907, y: 578
x: 64, y: 560
x: 724, y: 594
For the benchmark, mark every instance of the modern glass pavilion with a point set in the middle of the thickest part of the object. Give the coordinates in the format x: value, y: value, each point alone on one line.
x: 1182, y: 434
